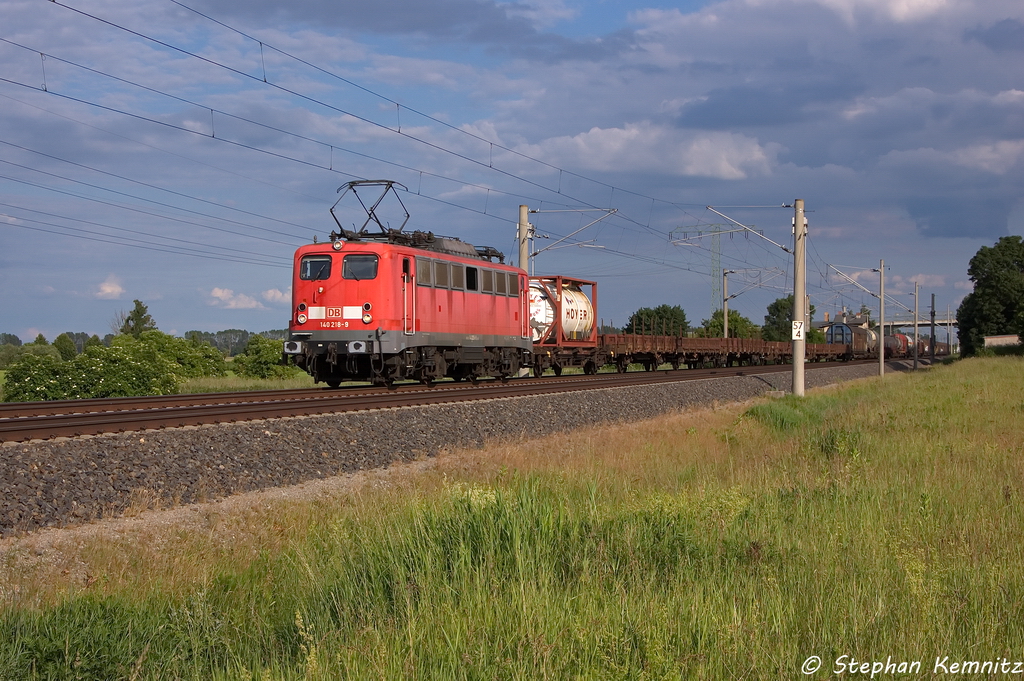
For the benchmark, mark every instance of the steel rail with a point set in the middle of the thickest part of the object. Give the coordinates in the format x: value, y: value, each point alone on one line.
x: 143, y: 414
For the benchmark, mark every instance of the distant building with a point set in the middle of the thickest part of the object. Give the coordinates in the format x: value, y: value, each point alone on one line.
x: 1009, y: 339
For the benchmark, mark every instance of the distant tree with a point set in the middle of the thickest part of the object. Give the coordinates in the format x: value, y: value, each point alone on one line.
x: 739, y: 326
x: 79, y: 338
x: 40, y: 340
x: 778, y: 323
x: 116, y: 322
x: 665, y: 319
x: 9, y: 339
x: 996, y: 306
x: 93, y: 341
x: 605, y: 328
x: 65, y: 346
x: 865, y: 312
x: 137, y: 321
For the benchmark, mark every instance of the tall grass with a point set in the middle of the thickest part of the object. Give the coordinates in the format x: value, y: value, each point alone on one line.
x: 880, y: 519
x: 235, y: 383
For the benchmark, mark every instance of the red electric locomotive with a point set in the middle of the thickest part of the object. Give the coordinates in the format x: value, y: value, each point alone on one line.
x: 392, y: 305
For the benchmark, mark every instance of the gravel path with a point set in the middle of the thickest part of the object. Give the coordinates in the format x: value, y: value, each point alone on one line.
x: 69, y: 480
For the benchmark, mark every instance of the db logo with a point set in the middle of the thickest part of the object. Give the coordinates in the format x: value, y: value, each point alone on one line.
x: 333, y: 312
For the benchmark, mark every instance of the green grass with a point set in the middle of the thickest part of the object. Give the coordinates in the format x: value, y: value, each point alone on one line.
x: 878, y: 519
x: 234, y: 383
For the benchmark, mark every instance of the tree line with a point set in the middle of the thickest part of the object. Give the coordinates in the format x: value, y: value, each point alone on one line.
x: 671, y: 320
x: 66, y: 346
x: 138, y: 360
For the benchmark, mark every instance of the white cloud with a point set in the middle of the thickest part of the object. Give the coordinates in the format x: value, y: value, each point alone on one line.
x: 900, y: 285
x: 895, y: 10
x: 649, y: 148
x: 110, y: 289
x: 276, y: 296
x: 229, y: 300
x: 964, y: 285
x: 928, y: 280
x: 998, y: 158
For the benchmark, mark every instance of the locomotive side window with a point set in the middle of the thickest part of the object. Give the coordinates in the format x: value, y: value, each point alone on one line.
x: 441, y: 274
x: 513, y: 284
x: 359, y: 267
x: 500, y: 283
x: 315, y: 267
x: 472, y: 279
x: 458, y: 277
x: 488, y: 286
x: 423, y: 276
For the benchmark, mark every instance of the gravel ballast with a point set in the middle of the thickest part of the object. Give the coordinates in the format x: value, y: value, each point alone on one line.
x: 64, y: 481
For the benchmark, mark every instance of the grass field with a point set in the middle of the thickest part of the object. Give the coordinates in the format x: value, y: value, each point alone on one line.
x: 877, y: 520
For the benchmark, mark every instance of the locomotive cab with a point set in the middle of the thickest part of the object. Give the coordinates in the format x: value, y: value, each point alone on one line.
x: 377, y: 311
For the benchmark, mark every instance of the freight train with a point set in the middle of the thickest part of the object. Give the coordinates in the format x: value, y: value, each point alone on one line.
x: 394, y: 305
x: 862, y: 343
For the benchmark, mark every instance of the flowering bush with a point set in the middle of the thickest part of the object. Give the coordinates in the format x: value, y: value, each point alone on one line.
x: 191, y: 359
x: 98, y: 372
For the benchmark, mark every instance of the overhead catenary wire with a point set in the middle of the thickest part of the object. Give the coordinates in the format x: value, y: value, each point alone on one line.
x: 489, y: 163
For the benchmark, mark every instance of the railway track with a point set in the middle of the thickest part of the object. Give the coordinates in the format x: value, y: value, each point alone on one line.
x: 71, y: 418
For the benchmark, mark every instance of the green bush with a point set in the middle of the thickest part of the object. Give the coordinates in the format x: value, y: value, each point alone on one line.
x: 154, y: 364
x: 194, y: 359
x: 262, y: 359
x: 98, y: 372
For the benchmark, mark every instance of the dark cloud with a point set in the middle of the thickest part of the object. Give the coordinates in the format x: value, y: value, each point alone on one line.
x: 1003, y: 36
x: 960, y: 216
x: 747, y: 106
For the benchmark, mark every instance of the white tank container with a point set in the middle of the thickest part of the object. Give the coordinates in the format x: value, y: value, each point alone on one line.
x: 577, y: 311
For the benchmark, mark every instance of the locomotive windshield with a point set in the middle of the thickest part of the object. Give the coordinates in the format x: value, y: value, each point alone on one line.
x: 314, y: 267
x: 359, y: 267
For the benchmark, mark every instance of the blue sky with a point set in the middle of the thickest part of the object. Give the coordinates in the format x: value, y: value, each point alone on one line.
x: 179, y: 153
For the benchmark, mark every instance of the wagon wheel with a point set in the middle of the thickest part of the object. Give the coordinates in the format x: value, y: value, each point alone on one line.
x: 538, y: 371
x: 621, y: 367
x: 557, y: 368
x: 589, y: 368
x: 333, y: 382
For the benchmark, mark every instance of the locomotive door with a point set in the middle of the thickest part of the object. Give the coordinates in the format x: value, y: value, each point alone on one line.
x: 408, y: 299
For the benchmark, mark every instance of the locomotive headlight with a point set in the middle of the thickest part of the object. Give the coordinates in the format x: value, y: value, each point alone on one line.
x: 336, y: 245
x: 367, y: 318
x: 301, y: 319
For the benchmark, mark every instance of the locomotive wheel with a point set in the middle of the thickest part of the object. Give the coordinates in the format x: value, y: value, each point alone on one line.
x: 333, y: 382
